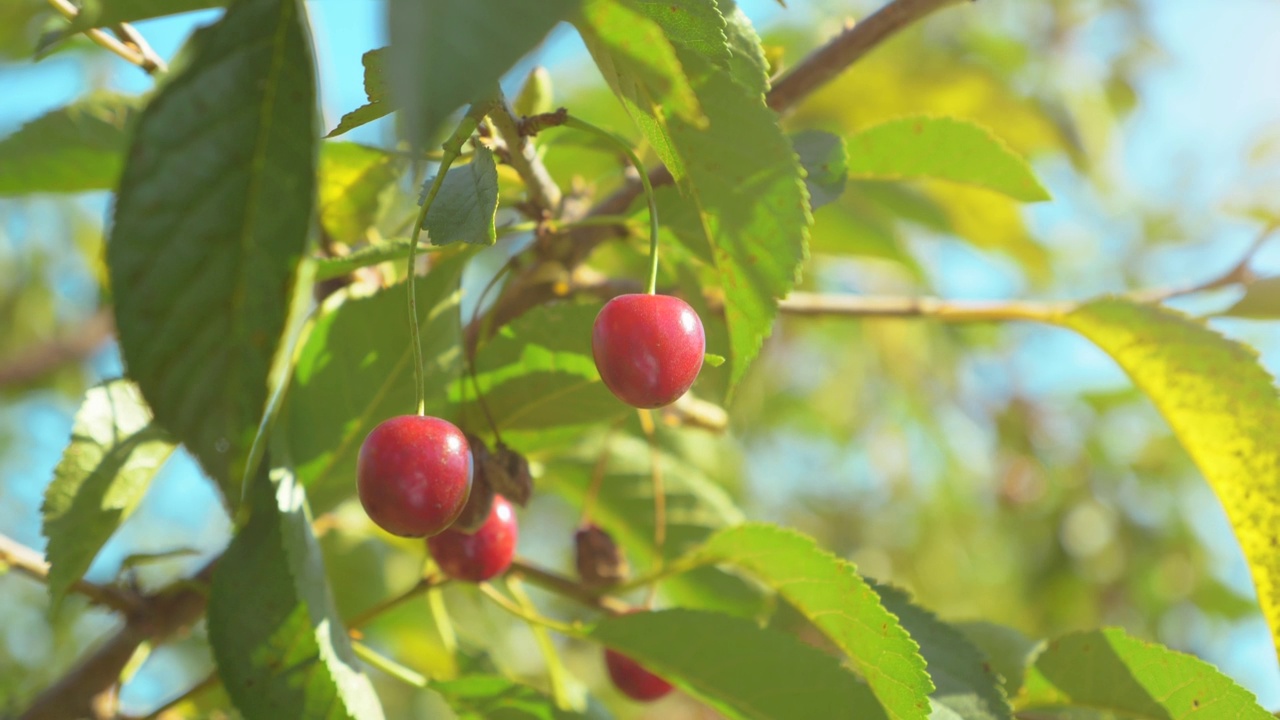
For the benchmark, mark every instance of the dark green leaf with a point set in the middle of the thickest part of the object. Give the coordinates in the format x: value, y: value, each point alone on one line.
x: 356, y: 370
x: 375, y: 88
x: 1111, y: 671
x: 945, y: 149
x: 1261, y: 300
x: 211, y: 220
x: 739, y: 669
x: 72, y: 149
x: 352, y: 180
x: 100, y: 13
x: 830, y: 593
x: 1008, y: 650
x: 965, y: 683
x: 115, y: 450
x: 538, y: 372
x: 449, y: 53
x: 280, y: 647
x: 490, y: 697
x: 825, y: 163
x: 464, y: 208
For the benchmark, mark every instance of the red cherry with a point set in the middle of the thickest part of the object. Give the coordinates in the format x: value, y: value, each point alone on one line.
x: 414, y: 475
x: 648, y: 348
x: 632, y: 679
x: 484, y: 554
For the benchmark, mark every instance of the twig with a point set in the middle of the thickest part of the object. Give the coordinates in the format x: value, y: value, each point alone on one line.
x: 133, y: 50
x: 544, y: 194
x: 32, y: 564
x: 824, y: 64
x: 502, y: 601
x: 562, y: 585
x: 1238, y: 274
x: 420, y: 588
x: 72, y: 346
x: 813, y: 304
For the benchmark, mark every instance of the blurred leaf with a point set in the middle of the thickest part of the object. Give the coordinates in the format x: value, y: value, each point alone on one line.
x: 375, y: 88
x: 211, y: 220
x: 19, y: 23
x: 137, y: 560
x: 449, y: 53
x: 825, y: 163
x: 640, y: 64
x: 1008, y: 650
x: 696, y: 507
x: 280, y: 646
x: 538, y: 372
x: 1222, y: 405
x: 490, y: 697
x: 964, y: 681
x: 100, y: 13
x: 739, y: 669
x: 944, y: 149
x: 1111, y: 671
x: 352, y: 179
x: 990, y: 221
x: 114, y: 453
x: 464, y: 208
x: 356, y: 370
x: 830, y: 593
x: 1261, y: 300
x: 747, y: 63
x: 72, y: 149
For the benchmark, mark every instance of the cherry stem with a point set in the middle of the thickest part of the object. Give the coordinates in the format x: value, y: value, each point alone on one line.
x: 502, y: 601
x: 452, y: 148
x: 651, y: 286
x: 423, y: 585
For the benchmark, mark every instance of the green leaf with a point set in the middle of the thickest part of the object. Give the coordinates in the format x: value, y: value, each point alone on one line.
x: 965, y: 683
x: 490, y: 697
x: 693, y: 24
x: 448, y: 53
x: 1111, y: 671
x: 100, y: 13
x: 747, y: 63
x: 944, y: 149
x: 211, y: 220
x: 72, y: 149
x: 1008, y: 650
x: 1261, y: 300
x: 696, y: 507
x: 641, y: 66
x: 538, y: 372
x: 279, y: 644
x: 375, y: 88
x: 352, y: 180
x: 739, y: 669
x: 1223, y: 408
x: 356, y: 370
x: 825, y: 163
x: 115, y: 450
x: 464, y: 208
x: 830, y: 593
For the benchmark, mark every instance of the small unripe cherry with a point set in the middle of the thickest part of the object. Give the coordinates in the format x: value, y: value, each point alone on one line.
x: 648, y: 348
x: 633, y: 679
x: 413, y: 475
x: 486, y: 553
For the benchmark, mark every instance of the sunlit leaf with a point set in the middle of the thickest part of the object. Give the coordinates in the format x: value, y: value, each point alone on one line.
x: 375, y: 89
x: 1224, y: 409
x: 72, y: 149
x: 1111, y: 671
x: 212, y: 216
x: 739, y: 669
x: 114, y: 453
x: 352, y: 180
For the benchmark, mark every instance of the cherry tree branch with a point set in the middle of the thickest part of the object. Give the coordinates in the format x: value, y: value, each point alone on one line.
x: 816, y: 304
x: 30, y: 563
x: 129, y: 45
x: 544, y: 194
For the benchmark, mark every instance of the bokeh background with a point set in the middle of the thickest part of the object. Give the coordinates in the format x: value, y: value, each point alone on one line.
x: 1005, y: 473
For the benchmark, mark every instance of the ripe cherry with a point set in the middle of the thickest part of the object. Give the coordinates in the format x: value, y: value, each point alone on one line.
x: 483, y: 554
x: 414, y: 475
x: 648, y: 348
x: 632, y: 679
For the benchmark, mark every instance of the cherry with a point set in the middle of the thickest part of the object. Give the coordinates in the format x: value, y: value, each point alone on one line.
x: 481, y: 555
x: 648, y: 348
x: 414, y: 475
x: 632, y: 679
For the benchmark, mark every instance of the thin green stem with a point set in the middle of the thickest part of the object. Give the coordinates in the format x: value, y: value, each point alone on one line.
x: 423, y: 585
x: 471, y: 355
x: 452, y: 148
x: 555, y: 666
x: 387, y: 665
x: 570, y: 121
x: 502, y: 601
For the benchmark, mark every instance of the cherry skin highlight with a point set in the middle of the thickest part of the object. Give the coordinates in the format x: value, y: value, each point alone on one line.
x: 414, y: 475
x: 481, y: 555
x: 648, y: 348
x: 632, y: 679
